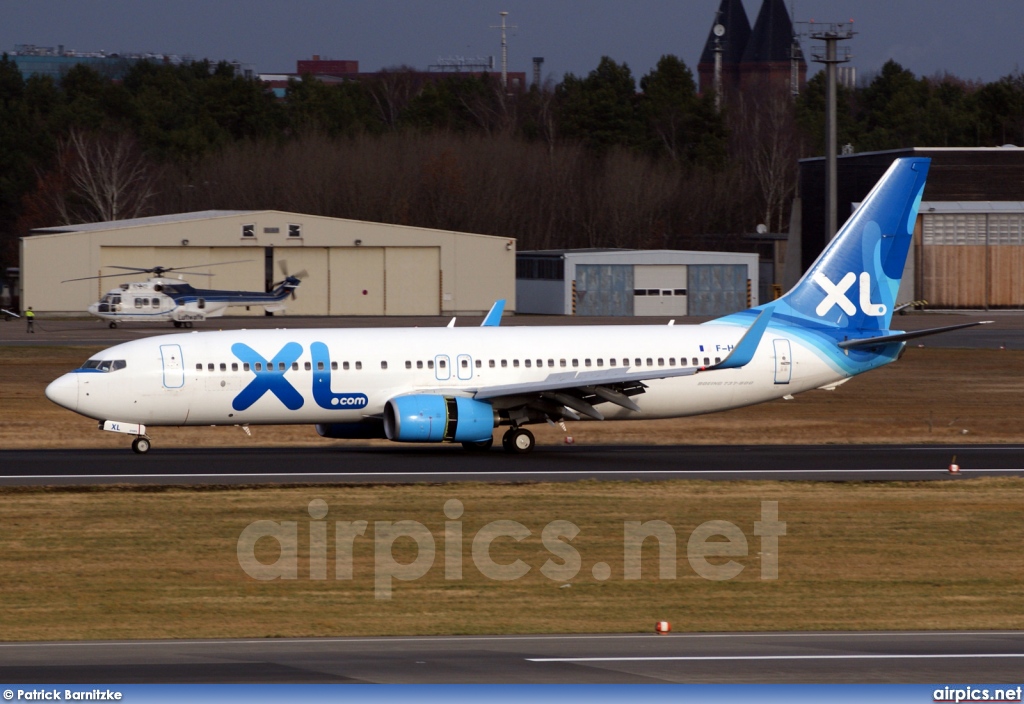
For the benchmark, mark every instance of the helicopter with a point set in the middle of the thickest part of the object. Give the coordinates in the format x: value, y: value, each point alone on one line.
x: 161, y: 298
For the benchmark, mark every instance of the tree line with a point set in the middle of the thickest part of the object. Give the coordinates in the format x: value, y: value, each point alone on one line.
x: 601, y: 160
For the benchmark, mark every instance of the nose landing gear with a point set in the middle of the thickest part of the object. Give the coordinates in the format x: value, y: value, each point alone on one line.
x: 140, y: 444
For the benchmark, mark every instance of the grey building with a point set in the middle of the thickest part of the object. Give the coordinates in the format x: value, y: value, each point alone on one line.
x: 624, y: 282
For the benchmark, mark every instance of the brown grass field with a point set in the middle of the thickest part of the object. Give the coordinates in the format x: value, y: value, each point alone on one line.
x: 161, y: 563
x: 155, y: 562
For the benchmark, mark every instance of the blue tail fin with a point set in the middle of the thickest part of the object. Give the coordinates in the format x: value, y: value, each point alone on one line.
x: 853, y: 284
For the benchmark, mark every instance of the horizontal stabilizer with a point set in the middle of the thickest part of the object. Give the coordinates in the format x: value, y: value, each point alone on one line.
x: 900, y: 337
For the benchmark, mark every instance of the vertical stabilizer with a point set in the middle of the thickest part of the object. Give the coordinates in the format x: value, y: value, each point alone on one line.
x: 853, y: 284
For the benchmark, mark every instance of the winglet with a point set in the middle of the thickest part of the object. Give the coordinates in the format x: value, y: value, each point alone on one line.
x: 493, y: 318
x: 747, y: 346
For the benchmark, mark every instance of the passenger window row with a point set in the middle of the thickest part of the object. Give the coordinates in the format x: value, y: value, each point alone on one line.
x: 258, y: 366
x: 574, y: 363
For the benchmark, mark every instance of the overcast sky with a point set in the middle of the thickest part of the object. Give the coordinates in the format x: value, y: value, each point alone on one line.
x: 977, y: 39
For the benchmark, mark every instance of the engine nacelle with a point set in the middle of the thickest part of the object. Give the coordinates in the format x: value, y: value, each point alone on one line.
x: 363, y: 430
x: 431, y: 418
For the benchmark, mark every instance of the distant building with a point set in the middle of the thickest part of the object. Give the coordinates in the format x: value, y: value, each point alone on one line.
x: 634, y: 282
x: 329, y: 67
x: 354, y: 267
x: 339, y: 71
x: 768, y: 53
x: 54, y: 62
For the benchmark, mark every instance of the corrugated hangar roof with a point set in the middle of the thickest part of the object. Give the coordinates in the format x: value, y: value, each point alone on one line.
x: 971, y: 206
x: 143, y: 222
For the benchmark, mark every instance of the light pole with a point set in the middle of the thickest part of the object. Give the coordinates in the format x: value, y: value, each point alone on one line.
x: 831, y: 34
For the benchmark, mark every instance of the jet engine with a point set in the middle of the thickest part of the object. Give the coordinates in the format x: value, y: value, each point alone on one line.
x: 432, y: 418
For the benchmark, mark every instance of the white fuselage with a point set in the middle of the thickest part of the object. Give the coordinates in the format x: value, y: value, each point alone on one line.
x: 199, y: 378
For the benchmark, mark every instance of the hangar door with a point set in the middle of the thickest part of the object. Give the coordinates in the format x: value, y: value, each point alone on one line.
x: 385, y: 281
x: 412, y: 278
x: 717, y: 289
x: 604, y: 289
x: 659, y: 289
x: 311, y: 295
x: 973, y: 260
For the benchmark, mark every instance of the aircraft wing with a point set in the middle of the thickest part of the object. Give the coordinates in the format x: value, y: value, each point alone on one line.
x: 574, y: 380
x: 580, y: 390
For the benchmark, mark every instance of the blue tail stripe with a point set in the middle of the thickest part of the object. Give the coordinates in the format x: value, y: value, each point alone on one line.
x: 854, y: 282
x: 850, y: 290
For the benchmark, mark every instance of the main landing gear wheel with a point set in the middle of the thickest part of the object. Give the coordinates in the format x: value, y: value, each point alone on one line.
x: 177, y: 323
x: 140, y: 445
x: 482, y: 446
x: 518, y: 441
x: 113, y: 324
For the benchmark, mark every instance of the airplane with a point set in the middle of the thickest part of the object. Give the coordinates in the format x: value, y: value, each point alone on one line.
x: 174, y: 300
x: 457, y: 384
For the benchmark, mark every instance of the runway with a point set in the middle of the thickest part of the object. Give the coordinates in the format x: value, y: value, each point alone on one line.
x: 408, y: 465
x: 892, y: 657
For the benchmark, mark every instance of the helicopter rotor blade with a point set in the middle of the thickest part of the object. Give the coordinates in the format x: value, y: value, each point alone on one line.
x: 157, y: 270
x: 104, y: 276
x: 196, y: 266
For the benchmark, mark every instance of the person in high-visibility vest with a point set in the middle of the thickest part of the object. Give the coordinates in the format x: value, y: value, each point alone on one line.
x: 30, y: 319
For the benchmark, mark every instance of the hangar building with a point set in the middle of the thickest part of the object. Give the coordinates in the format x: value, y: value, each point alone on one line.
x: 627, y: 282
x: 354, y: 267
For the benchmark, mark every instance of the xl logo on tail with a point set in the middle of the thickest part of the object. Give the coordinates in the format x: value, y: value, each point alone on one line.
x: 835, y: 295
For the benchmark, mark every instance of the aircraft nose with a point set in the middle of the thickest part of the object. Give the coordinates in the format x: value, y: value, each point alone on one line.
x: 64, y: 391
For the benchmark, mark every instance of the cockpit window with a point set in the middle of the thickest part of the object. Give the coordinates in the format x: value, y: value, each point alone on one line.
x: 105, y: 365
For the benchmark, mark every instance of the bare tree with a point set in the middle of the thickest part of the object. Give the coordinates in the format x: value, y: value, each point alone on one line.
x: 767, y: 143
x: 106, y: 177
x: 391, y: 90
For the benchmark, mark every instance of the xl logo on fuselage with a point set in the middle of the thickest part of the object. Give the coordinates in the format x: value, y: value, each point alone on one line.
x: 270, y: 378
x: 835, y: 295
